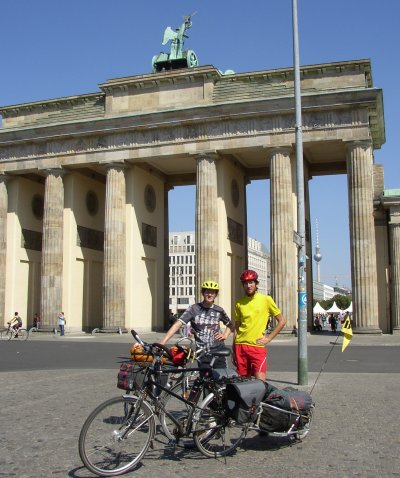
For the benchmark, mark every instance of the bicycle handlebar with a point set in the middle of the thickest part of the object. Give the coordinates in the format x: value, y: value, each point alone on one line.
x: 136, y: 337
x: 150, y: 347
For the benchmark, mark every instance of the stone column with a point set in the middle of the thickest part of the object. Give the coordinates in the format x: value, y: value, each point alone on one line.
x: 114, y: 249
x: 283, y: 264
x: 167, y: 188
x: 206, y: 219
x: 3, y: 244
x: 362, y: 238
x: 52, y: 249
x: 394, y: 227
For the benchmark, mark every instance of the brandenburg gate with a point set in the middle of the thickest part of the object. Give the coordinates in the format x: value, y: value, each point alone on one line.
x: 84, y: 184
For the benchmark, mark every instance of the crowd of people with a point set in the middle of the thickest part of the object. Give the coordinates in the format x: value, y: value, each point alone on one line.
x: 332, y: 320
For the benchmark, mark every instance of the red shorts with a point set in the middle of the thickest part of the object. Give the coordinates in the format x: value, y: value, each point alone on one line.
x: 250, y: 359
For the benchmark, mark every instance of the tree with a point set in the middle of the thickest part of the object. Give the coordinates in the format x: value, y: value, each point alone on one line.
x: 342, y: 301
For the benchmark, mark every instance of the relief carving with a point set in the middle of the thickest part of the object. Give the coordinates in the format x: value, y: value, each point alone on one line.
x: 177, y: 134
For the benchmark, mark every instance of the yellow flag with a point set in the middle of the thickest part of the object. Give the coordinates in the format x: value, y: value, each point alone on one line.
x: 347, y: 333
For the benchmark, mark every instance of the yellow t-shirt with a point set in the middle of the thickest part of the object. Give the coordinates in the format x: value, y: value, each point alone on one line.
x: 252, y: 314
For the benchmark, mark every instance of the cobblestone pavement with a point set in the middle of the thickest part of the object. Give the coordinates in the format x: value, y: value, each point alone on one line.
x: 355, y: 431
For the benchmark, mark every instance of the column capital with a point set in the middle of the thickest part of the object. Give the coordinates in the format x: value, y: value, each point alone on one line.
x: 119, y: 166
x: 364, y: 143
x: 4, y: 178
x: 208, y: 154
x: 285, y: 149
x: 394, y: 215
x: 57, y: 172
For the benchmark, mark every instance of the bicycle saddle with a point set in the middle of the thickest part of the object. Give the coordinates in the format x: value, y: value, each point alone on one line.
x: 220, y: 352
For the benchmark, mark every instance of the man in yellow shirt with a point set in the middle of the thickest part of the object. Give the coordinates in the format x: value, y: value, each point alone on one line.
x: 252, y: 313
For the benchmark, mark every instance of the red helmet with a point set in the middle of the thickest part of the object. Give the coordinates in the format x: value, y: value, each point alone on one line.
x: 248, y: 274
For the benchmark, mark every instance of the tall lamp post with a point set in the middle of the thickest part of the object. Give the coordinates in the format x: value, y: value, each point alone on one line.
x: 302, y: 370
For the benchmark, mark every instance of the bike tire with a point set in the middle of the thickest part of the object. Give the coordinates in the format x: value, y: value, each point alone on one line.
x: 116, y: 435
x: 22, y: 334
x: 215, y: 435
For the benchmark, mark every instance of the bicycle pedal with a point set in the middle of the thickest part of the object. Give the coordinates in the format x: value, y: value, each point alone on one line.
x: 171, y: 444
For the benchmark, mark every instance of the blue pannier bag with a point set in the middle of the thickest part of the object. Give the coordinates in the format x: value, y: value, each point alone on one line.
x: 243, y: 399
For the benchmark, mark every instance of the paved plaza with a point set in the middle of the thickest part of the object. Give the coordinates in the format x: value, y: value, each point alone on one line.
x: 355, y: 430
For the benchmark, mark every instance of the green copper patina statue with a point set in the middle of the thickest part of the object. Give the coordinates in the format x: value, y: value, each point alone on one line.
x: 177, y: 58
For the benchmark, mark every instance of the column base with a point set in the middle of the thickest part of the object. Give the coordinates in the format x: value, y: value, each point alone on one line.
x: 113, y: 330
x: 396, y: 331
x: 367, y: 331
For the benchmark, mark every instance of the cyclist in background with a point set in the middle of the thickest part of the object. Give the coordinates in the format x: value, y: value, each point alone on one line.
x: 17, y: 321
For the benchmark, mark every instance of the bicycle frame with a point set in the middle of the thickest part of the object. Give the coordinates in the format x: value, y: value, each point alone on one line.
x: 151, y: 385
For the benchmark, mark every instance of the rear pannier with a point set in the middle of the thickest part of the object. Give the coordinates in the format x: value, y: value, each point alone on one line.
x: 243, y: 399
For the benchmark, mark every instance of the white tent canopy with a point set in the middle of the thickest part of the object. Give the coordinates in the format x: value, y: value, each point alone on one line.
x: 349, y: 308
x: 318, y: 309
x: 334, y: 309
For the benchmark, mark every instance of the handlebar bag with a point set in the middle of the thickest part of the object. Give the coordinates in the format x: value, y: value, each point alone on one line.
x: 138, y: 354
x: 243, y: 400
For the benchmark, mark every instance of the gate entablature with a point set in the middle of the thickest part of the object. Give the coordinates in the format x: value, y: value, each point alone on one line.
x: 172, y: 114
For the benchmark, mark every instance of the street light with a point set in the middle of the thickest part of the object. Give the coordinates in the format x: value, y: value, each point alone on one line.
x: 302, y: 370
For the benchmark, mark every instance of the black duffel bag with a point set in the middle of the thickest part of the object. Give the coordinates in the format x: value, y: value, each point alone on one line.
x: 290, y: 399
x: 282, y: 409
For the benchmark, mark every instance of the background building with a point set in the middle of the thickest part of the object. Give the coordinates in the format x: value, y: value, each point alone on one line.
x: 259, y: 260
x: 322, y: 291
x: 182, y: 268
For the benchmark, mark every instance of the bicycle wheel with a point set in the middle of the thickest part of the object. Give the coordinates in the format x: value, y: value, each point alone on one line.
x: 116, y: 436
x: 216, y: 435
x: 179, y: 410
x: 3, y: 334
x: 22, y: 334
x: 10, y: 334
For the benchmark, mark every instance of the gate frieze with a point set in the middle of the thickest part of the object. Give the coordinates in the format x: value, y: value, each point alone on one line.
x: 178, y: 133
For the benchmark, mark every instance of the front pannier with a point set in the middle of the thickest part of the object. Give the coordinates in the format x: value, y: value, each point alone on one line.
x: 243, y: 399
x: 131, y: 376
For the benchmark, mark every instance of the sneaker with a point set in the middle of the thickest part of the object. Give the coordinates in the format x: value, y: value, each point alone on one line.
x: 15, y: 336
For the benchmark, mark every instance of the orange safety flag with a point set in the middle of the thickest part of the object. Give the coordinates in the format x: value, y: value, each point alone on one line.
x: 347, y: 333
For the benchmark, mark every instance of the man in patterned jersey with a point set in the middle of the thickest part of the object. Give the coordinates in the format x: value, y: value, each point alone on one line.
x: 205, y: 318
x: 252, y: 313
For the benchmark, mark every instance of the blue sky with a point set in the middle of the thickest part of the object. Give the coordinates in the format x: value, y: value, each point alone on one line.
x: 60, y: 48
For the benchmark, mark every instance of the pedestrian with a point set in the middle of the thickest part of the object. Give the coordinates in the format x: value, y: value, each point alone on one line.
x: 252, y: 313
x: 333, y: 323
x: 17, y: 321
x: 61, y: 323
x: 36, y: 321
x: 317, y: 322
x: 204, y: 318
